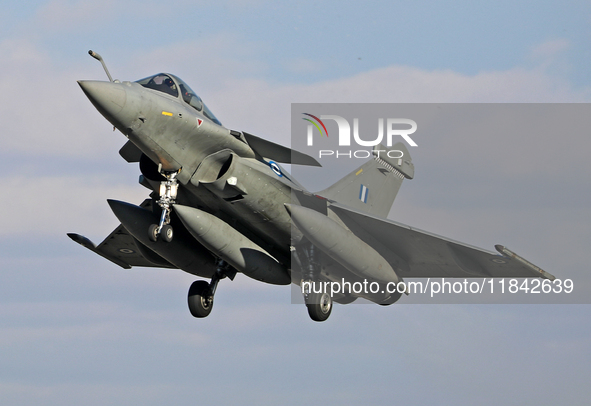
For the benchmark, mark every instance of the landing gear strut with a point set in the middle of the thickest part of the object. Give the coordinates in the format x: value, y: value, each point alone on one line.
x: 319, y: 304
x: 200, y: 298
x: 168, y: 192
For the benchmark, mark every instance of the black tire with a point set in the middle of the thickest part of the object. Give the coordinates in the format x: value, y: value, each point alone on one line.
x: 153, y: 232
x: 200, y: 299
x: 167, y: 233
x: 319, y: 306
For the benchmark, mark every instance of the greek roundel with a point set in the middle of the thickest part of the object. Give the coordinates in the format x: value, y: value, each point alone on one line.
x: 363, y: 193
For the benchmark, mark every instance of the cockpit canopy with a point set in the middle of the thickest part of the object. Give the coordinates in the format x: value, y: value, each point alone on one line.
x: 171, y: 85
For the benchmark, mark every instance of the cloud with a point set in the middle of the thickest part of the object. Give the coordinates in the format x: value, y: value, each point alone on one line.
x: 52, y: 205
x: 552, y: 58
x: 550, y: 49
x: 44, y: 111
x: 263, y: 108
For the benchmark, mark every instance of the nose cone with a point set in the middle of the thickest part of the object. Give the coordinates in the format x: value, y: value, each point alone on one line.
x: 109, y: 98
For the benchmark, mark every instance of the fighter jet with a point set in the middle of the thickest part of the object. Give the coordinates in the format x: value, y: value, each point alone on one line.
x: 220, y: 204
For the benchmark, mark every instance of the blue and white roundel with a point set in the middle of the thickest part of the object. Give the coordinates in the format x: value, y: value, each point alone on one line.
x: 276, y: 168
x: 363, y: 193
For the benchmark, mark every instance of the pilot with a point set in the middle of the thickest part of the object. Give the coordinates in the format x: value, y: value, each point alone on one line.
x: 170, y: 87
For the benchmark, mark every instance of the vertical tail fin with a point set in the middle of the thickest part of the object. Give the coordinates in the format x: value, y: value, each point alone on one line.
x: 373, y: 186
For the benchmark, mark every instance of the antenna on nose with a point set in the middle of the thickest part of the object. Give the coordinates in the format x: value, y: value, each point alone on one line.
x: 100, y: 58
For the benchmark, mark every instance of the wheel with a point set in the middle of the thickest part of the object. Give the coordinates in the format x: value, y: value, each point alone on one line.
x: 200, y: 299
x: 167, y: 233
x: 153, y: 232
x: 319, y: 306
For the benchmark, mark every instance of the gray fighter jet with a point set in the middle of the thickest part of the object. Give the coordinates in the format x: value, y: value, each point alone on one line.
x: 220, y: 204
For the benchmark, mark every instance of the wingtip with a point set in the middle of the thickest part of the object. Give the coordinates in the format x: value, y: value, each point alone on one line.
x: 506, y: 252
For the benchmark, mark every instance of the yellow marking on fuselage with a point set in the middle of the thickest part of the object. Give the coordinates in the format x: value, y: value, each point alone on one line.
x: 358, y: 172
x: 166, y: 113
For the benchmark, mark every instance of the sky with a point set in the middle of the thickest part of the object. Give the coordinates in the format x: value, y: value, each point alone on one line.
x: 76, y: 329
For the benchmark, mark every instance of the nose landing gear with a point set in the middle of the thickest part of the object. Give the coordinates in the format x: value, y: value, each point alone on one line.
x: 168, y: 193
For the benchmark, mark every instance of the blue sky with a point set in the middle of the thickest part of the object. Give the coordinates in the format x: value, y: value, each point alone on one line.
x: 75, y: 329
x: 336, y: 40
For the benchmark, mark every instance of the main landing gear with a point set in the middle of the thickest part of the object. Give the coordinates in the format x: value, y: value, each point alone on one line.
x: 200, y: 298
x: 319, y: 304
x: 168, y: 192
